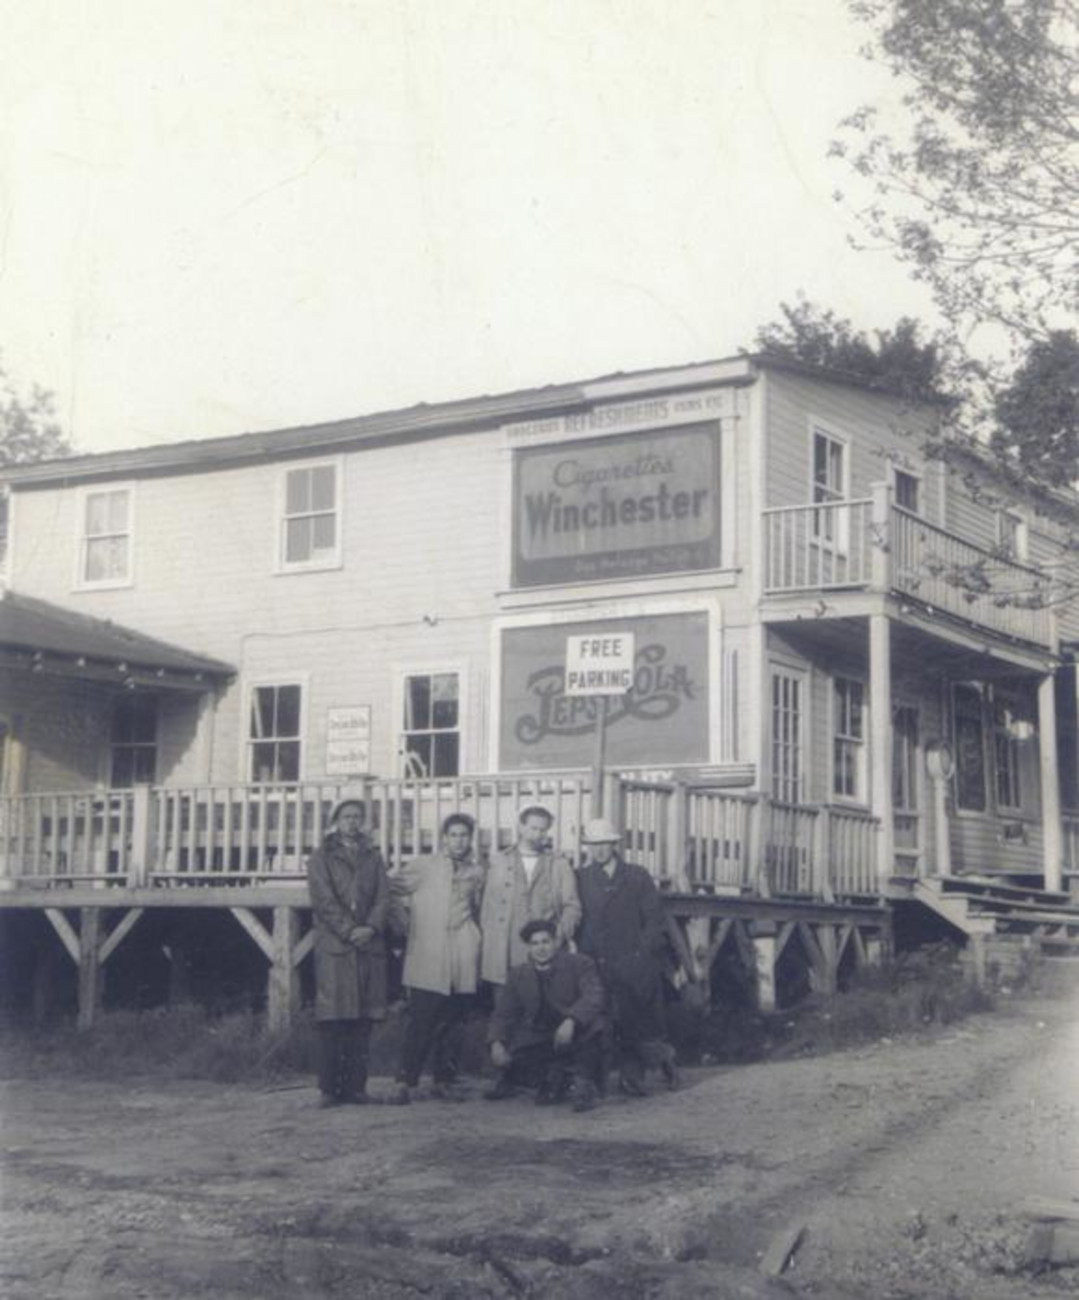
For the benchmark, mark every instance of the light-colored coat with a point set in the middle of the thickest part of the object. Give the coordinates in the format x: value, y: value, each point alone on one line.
x: 509, y: 901
x: 442, y: 951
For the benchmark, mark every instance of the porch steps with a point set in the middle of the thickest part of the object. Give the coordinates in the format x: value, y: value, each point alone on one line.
x: 1046, y: 919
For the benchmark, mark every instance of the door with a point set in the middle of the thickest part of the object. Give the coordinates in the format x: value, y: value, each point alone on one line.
x: 907, y: 800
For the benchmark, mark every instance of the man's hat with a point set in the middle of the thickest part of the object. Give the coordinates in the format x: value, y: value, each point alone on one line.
x: 537, y: 926
x: 600, y: 831
x: 340, y: 806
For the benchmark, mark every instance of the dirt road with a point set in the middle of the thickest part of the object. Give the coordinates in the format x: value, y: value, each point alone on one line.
x: 903, y: 1161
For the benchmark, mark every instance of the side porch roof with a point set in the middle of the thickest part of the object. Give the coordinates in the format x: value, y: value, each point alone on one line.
x: 38, y: 636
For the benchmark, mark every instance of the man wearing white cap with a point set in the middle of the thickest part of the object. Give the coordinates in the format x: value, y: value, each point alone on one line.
x: 622, y: 930
x: 526, y: 882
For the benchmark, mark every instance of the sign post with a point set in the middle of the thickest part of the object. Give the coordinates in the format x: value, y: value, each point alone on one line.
x: 601, y: 667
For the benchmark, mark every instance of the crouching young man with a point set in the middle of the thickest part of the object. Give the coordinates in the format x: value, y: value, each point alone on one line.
x: 545, y: 1030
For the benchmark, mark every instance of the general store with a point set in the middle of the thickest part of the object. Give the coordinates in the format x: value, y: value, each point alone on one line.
x: 851, y: 691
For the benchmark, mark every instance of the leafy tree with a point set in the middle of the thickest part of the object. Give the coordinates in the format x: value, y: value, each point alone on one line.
x: 894, y: 360
x: 28, y: 428
x: 976, y: 188
x: 1038, y: 412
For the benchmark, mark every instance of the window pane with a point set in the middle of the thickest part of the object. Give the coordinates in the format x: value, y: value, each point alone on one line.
x: 145, y: 764
x: 417, y: 756
x: 288, y: 761
x: 324, y: 529
x: 288, y: 711
x: 969, y: 750
x: 856, y: 709
x: 262, y: 712
x: 444, y: 701
x: 123, y: 769
x: 97, y: 514
x: 820, y: 459
x: 297, y: 491
x: 106, y: 558
x: 262, y: 761
x: 322, y: 488
x: 417, y: 703
x: 297, y: 540
x: 446, y: 749
x: 117, y: 512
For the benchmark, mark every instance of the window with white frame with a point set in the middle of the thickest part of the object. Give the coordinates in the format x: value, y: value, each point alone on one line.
x: 431, y: 724
x: 105, y: 542
x: 829, y: 486
x: 905, y: 758
x: 1011, y: 534
x: 310, y: 520
x: 907, y: 488
x: 968, y: 725
x: 848, y: 738
x: 275, y: 733
x: 134, y: 740
x: 1006, y: 759
x: 788, y: 726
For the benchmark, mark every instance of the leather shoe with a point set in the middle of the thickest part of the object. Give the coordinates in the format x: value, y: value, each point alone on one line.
x: 501, y: 1089
x: 585, y: 1096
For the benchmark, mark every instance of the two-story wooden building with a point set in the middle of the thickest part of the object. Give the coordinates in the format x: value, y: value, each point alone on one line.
x: 851, y: 675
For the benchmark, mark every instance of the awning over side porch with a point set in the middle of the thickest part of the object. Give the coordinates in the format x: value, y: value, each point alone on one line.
x: 36, y: 636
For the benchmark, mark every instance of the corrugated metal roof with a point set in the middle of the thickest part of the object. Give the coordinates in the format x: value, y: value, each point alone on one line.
x: 37, y: 626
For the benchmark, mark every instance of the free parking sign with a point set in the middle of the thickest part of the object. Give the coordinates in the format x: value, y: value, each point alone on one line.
x: 599, y: 665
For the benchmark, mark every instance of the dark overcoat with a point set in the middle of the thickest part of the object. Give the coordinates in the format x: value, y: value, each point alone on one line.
x: 348, y: 888
x: 574, y: 991
x: 622, y: 926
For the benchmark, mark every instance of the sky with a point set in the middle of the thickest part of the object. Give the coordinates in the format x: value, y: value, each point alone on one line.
x: 229, y: 215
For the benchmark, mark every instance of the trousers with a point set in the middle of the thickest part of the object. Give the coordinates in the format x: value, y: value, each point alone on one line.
x: 342, y: 1057
x: 434, y: 1028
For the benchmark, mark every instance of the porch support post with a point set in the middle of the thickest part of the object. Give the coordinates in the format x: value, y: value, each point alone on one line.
x: 765, y: 954
x: 89, y: 965
x: 1052, y: 830
x: 283, y: 984
x: 880, y: 735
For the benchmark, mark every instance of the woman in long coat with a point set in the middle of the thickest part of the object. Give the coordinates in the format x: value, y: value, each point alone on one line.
x: 349, y: 900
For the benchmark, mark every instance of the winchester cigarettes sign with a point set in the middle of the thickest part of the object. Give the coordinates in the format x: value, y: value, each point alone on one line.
x: 618, y: 506
x: 661, y: 718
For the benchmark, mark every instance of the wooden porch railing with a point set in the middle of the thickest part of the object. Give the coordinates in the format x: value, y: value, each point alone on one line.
x: 868, y: 542
x: 689, y: 838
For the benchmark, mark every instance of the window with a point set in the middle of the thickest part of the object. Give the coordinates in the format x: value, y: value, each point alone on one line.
x: 134, y: 741
x: 105, y: 545
x: 431, y: 726
x: 905, y: 758
x: 274, y: 733
x: 1006, y: 759
x: 788, y: 693
x: 848, y: 742
x: 5, y: 531
x: 310, y: 527
x: 907, y: 491
x: 829, y: 486
x: 1011, y: 535
x: 970, y: 768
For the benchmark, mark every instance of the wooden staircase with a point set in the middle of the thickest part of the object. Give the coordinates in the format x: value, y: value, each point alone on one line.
x: 1042, y: 919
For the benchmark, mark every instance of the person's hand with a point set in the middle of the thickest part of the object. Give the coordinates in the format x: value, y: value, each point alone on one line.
x: 361, y: 936
x: 563, y: 1035
x: 500, y: 1058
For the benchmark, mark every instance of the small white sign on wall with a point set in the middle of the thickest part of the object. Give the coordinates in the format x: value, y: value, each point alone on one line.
x: 599, y: 664
x: 348, y: 741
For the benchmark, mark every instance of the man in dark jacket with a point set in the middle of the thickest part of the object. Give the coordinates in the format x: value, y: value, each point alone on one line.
x: 349, y: 897
x: 546, y: 1022
x: 622, y: 930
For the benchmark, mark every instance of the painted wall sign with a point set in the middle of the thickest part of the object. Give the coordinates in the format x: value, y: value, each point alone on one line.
x: 617, y: 506
x: 662, y: 719
x: 600, y: 665
x: 348, y: 741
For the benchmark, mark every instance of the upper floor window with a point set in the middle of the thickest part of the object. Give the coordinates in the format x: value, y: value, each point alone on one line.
x: 431, y: 726
x: 848, y: 743
x: 134, y: 740
x: 105, y: 543
x: 275, y: 733
x: 829, y: 486
x: 907, y: 491
x: 1011, y: 534
x: 310, y: 528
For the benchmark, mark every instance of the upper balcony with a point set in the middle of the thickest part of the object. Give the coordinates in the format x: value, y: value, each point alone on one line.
x: 873, y: 545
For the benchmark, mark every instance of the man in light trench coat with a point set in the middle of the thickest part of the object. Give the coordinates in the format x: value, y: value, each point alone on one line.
x: 436, y: 903
x: 526, y: 882
x: 349, y: 896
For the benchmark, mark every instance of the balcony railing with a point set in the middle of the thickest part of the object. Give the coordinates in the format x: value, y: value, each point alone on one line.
x: 689, y: 838
x: 873, y: 544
